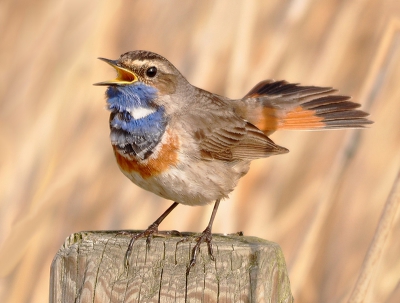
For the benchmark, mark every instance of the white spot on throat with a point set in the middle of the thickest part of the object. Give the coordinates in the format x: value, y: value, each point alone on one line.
x: 141, y: 112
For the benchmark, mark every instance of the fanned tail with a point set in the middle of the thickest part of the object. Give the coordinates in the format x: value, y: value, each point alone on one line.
x: 273, y: 105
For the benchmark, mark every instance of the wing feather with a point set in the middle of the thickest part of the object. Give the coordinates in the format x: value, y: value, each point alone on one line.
x: 229, y: 137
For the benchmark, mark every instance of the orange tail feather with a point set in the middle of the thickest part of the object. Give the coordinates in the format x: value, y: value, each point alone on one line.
x: 281, y: 105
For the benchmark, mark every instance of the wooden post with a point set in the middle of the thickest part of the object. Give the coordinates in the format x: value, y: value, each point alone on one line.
x: 89, y: 267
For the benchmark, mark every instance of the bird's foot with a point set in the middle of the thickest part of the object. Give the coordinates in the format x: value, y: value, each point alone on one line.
x: 148, y: 234
x: 206, y: 236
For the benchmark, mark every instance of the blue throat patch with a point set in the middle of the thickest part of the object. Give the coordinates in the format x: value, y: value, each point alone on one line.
x: 135, y: 137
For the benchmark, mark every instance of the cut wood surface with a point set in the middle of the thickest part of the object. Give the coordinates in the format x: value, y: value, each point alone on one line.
x: 89, y: 267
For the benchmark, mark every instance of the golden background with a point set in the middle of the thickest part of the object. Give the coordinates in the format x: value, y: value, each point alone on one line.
x: 321, y: 202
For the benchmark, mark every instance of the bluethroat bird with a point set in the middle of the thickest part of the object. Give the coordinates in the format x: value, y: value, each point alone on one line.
x: 191, y: 146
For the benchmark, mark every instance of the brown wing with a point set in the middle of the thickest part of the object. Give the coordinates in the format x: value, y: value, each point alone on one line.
x: 223, y: 135
x: 273, y: 105
x: 237, y: 143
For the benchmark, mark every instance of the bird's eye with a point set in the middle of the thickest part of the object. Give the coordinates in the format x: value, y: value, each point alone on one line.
x: 151, y: 72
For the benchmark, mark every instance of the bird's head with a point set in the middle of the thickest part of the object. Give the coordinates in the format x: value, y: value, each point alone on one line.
x: 145, y: 68
x: 146, y: 80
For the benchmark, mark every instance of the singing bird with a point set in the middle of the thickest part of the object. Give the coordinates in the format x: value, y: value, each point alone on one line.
x: 191, y: 146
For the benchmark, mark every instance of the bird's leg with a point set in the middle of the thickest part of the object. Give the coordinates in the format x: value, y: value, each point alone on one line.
x: 148, y: 233
x: 206, y: 236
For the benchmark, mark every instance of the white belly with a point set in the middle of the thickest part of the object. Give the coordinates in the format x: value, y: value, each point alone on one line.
x: 195, y: 184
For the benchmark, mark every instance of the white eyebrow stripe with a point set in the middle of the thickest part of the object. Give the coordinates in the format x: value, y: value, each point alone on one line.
x: 141, y: 112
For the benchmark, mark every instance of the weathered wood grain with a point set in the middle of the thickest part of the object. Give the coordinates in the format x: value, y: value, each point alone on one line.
x: 89, y: 267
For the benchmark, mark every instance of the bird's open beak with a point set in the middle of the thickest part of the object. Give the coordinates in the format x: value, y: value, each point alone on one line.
x: 124, y: 76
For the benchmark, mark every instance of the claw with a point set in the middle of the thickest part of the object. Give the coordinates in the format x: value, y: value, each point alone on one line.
x: 206, y: 236
x: 148, y: 234
x: 210, y: 251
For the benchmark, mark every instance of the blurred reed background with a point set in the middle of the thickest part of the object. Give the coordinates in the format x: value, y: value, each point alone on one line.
x: 321, y: 202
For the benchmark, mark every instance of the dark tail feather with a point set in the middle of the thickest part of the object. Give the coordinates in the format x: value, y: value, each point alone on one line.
x: 282, y: 105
